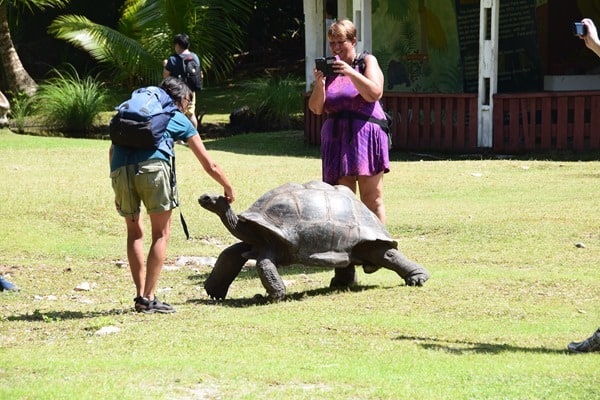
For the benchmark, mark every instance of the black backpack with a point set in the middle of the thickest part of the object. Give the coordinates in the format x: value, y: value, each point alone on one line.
x: 142, y: 120
x: 192, y: 72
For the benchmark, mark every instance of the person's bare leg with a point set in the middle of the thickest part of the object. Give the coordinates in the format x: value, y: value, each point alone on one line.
x: 349, y: 182
x: 161, y: 229
x: 135, y: 252
x: 371, y: 193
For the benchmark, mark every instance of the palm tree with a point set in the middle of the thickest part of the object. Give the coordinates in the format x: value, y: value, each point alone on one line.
x: 17, y: 78
x: 146, y: 28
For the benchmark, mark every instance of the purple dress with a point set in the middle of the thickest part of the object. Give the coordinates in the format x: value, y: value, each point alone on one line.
x: 351, y: 146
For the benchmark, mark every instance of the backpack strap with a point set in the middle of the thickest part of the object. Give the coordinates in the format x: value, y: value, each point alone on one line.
x: 386, y: 123
x: 352, y: 115
x: 360, y: 62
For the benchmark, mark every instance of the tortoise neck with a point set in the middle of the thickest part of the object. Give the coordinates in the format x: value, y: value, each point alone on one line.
x: 235, y: 226
x: 230, y: 220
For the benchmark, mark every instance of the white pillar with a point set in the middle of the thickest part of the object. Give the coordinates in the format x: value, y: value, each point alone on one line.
x: 488, y: 69
x: 314, y: 39
x: 342, y: 9
x: 361, y: 17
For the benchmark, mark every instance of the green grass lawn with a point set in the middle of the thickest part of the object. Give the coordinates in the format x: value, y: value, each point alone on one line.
x: 509, y: 288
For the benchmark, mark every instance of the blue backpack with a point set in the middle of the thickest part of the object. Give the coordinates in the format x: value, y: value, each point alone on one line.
x: 141, y: 122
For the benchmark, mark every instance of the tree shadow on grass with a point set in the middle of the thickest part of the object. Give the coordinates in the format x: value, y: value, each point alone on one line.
x: 64, y: 315
x: 259, y: 300
x: 463, y: 347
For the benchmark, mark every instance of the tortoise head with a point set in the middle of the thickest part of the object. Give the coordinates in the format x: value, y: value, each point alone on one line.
x: 215, y: 203
x: 220, y: 206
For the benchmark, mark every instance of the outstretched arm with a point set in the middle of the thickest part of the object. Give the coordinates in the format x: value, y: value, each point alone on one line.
x: 212, y: 168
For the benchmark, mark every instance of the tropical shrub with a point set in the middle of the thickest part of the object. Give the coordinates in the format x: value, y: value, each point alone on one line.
x: 277, y: 102
x: 21, y: 108
x: 69, y: 103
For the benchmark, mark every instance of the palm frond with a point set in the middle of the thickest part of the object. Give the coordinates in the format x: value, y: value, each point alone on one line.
x: 147, y: 27
x: 108, y: 46
x: 35, y: 4
x: 220, y: 30
x: 215, y: 27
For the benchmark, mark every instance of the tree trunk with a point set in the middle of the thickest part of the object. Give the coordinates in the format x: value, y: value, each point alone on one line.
x: 17, y: 78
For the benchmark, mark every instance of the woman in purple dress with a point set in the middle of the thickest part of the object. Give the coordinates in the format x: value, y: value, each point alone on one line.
x: 354, y: 146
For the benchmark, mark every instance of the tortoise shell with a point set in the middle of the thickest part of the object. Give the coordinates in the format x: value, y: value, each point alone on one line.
x: 315, y: 221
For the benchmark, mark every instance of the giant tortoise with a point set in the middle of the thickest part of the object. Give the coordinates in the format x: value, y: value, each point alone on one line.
x: 313, y: 224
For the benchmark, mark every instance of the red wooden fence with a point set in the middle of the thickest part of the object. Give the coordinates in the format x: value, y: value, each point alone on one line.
x: 530, y: 122
x: 526, y: 122
x: 421, y: 122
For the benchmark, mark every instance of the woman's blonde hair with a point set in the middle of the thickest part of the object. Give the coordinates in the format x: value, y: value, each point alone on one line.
x: 343, y: 28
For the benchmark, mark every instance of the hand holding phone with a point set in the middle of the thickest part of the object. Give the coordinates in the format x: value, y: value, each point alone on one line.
x: 579, y: 29
x: 325, y: 65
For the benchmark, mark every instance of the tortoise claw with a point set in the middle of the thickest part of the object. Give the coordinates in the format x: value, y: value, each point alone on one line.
x: 418, y: 278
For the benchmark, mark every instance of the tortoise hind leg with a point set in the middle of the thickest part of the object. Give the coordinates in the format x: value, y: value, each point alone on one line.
x: 270, y: 278
x: 227, y: 267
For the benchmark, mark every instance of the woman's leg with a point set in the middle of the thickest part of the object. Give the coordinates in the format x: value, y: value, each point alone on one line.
x: 371, y: 193
x: 349, y: 182
x: 135, y: 252
x: 161, y: 230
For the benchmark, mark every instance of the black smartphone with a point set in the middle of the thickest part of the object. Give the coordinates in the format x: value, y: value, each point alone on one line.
x: 579, y: 29
x: 325, y: 64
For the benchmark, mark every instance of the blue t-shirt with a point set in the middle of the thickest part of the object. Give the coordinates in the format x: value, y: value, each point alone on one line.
x: 179, y: 128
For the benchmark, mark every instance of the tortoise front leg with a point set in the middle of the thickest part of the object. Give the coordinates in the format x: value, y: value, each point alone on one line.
x: 227, y: 267
x: 412, y: 273
x: 379, y: 253
x: 343, y: 277
x: 270, y: 278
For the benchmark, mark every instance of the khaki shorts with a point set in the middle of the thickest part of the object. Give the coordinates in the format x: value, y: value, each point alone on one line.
x: 148, y: 182
x: 191, y: 110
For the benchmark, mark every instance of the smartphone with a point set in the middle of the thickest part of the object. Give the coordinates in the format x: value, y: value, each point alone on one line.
x: 579, y: 29
x: 325, y: 65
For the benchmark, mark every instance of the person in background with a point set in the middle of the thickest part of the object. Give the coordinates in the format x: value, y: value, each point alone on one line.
x: 586, y: 346
x: 8, y: 286
x: 173, y: 66
x: 591, y: 37
x: 592, y: 41
x: 354, y: 150
x: 140, y: 175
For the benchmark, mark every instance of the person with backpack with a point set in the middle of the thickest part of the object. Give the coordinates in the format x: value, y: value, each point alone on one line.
x: 354, y: 143
x: 142, y: 171
x: 185, y: 65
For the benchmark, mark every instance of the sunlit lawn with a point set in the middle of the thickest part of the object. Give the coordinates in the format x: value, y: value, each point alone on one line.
x: 512, y: 247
